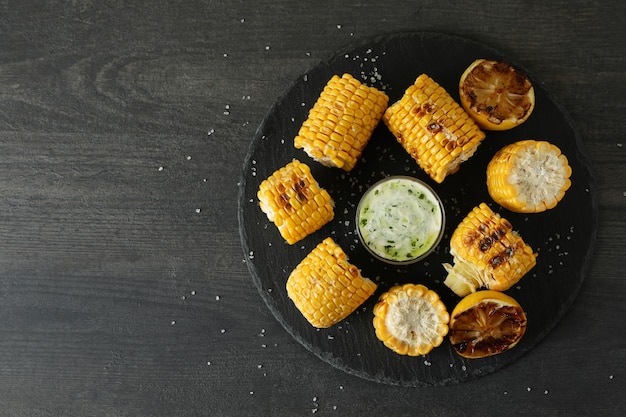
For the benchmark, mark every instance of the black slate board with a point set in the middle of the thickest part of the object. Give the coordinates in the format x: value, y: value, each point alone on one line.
x: 563, y: 237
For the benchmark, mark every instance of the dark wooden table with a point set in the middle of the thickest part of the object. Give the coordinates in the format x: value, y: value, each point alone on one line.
x: 123, y: 132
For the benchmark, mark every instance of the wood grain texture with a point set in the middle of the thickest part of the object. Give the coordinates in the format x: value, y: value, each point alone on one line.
x: 119, y: 121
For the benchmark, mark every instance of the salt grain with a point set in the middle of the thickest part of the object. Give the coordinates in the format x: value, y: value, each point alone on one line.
x: 160, y: 168
x: 198, y: 210
x: 217, y: 298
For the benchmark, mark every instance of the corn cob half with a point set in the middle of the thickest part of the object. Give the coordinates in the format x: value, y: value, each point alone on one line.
x: 410, y: 319
x: 325, y: 287
x: 341, y: 122
x: 528, y: 176
x: 294, y: 201
x: 433, y: 128
x: 487, y: 254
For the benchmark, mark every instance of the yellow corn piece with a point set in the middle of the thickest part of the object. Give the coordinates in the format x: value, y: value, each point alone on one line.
x: 294, y: 201
x: 341, y: 122
x: 487, y: 254
x: 433, y: 128
x: 325, y: 287
x: 410, y: 319
x: 528, y: 176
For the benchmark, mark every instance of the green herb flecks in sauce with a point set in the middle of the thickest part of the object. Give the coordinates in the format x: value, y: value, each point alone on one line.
x: 400, y: 219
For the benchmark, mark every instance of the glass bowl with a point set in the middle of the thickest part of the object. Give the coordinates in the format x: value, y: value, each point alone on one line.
x: 400, y: 220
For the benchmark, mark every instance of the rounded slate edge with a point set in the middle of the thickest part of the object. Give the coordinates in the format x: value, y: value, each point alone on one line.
x: 581, y: 156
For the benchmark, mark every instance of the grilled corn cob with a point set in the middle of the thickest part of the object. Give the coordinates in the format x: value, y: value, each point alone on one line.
x: 325, y: 287
x: 294, y: 201
x: 528, y: 176
x: 410, y: 319
x: 341, y: 122
x: 487, y: 254
x: 433, y: 128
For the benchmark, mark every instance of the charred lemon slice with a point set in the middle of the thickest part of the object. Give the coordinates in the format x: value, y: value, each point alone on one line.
x: 486, y: 323
x: 410, y: 319
x: 496, y: 95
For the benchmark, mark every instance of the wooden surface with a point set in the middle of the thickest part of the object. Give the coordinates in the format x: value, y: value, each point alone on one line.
x: 123, y: 131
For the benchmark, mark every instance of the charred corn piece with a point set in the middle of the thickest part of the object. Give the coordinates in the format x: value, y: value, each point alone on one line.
x: 325, y: 287
x: 410, y: 319
x: 341, y: 122
x: 487, y: 253
x: 294, y: 201
x: 528, y: 176
x: 433, y: 128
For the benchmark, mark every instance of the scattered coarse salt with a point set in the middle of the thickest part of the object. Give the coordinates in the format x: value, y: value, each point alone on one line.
x: 267, y: 47
x: 192, y: 292
x: 610, y: 376
x: 189, y: 157
x: 545, y: 392
x: 208, y: 363
x: 528, y: 389
x: 242, y: 20
x: 217, y: 298
x: 161, y: 168
x: 223, y: 331
x: 339, y: 26
x: 198, y: 210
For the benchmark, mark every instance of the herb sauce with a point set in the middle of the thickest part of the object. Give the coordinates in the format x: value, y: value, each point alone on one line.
x: 400, y: 219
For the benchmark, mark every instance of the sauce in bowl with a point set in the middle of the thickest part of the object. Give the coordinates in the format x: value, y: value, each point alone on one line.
x: 400, y: 220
